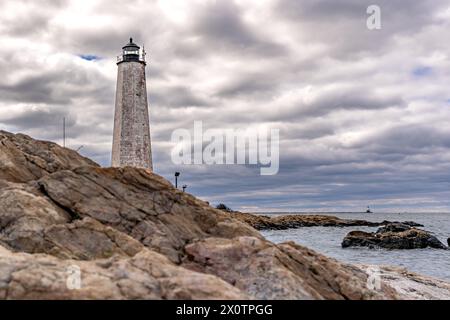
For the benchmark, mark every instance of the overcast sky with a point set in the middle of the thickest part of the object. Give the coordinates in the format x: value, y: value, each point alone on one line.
x: 363, y: 115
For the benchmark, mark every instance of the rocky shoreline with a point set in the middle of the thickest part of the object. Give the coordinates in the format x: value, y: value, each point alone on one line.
x: 132, y: 235
x: 293, y: 221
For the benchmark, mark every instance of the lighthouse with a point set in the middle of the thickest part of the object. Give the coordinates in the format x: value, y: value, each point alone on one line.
x: 131, y: 138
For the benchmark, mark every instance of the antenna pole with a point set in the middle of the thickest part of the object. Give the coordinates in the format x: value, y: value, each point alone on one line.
x: 64, y: 132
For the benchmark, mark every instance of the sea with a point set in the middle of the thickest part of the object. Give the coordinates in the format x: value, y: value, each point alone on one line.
x: 327, y: 240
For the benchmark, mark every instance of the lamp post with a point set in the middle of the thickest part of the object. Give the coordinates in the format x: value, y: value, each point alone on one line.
x: 184, y: 187
x: 177, y: 174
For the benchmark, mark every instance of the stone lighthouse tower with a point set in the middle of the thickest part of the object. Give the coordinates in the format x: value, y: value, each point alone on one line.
x: 131, y: 139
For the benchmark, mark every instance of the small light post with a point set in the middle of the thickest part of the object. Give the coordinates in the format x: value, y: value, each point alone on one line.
x: 184, y: 187
x: 177, y: 174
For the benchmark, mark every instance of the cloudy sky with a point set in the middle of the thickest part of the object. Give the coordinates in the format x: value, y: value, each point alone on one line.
x: 363, y: 114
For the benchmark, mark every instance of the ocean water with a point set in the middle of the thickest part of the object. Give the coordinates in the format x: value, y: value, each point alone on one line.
x: 327, y: 240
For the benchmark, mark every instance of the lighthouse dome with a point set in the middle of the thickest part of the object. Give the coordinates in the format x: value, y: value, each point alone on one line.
x: 131, y: 52
x: 130, y: 46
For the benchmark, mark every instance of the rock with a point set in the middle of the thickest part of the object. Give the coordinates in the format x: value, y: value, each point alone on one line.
x: 394, y: 227
x: 262, y: 222
x: 413, y: 224
x: 286, y: 271
x: 147, y: 275
x: 408, y: 223
x: 140, y: 204
x: 24, y: 216
x: 412, y: 286
x: 448, y: 242
x: 88, y: 239
x: 24, y: 159
x: 393, y: 236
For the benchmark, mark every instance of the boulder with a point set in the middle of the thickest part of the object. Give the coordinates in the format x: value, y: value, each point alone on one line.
x: 408, y: 223
x: 394, y: 227
x: 140, y: 204
x: 147, y: 275
x: 285, y: 271
x: 25, y: 159
x: 393, y: 236
x: 24, y: 216
x: 409, y: 285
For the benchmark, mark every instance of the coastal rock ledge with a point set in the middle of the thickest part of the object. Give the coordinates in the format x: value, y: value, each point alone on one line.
x: 131, y: 235
x: 393, y: 236
x: 294, y: 221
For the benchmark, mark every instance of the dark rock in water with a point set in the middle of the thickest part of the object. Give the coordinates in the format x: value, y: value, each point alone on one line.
x: 408, y: 223
x: 393, y: 236
x: 413, y: 224
x: 448, y: 242
x: 292, y: 221
x: 394, y: 227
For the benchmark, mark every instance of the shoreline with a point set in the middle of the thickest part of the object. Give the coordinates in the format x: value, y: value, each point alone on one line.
x: 342, y: 212
x: 294, y: 221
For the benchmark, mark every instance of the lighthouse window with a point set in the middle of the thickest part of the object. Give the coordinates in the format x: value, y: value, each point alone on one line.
x: 132, y: 52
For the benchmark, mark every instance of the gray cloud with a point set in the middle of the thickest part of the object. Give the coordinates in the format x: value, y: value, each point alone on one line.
x: 341, y: 25
x: 37, y: 88
x: 222, y: 26
x: 259, y: 84
x: 357, y: 125
x: 177, y: 96
x: 38, y: 118
x: 411, y: 139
